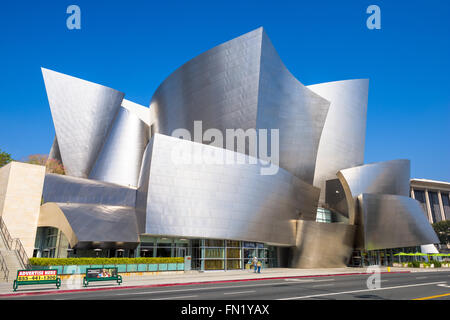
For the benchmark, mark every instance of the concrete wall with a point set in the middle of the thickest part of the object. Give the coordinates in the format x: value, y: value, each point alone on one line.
x: 20, y: 199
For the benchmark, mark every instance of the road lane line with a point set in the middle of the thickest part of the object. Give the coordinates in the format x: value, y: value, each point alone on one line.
x: 363, y: 290
x: 421, y: 277
x: 179, y: 297
x: 323, y: 285
x: 240, y: 292
x: 207, y: 288
x: 433, y: 297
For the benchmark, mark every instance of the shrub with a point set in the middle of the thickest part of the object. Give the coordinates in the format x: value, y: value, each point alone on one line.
x: 99, y: 261
x: 414, y: 264
x: 437, y: 264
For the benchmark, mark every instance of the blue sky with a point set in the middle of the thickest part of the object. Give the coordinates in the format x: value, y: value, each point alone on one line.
x: 132, y: 46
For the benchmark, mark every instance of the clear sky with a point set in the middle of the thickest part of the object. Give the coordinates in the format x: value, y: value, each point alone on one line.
x: 132, y: 46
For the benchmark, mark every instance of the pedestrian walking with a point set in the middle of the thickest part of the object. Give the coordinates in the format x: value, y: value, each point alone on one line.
x: 259, y: 265
x: 255, y: 262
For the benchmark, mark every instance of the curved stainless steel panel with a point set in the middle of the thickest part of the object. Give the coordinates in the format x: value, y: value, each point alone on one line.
x: 82, y: 114
x: 60, y: 188
x: 221, y: 200
x: 120, y: 159
x: 97, y: 223
x: 391, y: 221
x: 342, y: 142
x: 219, y: 87
x: 322, y: 245
x: 297, y: 112
x: 243, y: 84
x: 141, y: 112
x: 54, y: 151
x: 388, y: 177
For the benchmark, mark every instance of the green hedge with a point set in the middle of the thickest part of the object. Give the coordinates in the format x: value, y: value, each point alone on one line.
x: 416, y: 264
x: 92, y: 261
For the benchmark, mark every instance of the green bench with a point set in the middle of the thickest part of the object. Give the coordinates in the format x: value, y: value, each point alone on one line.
x: 101, y: 274
x: 28, y: 277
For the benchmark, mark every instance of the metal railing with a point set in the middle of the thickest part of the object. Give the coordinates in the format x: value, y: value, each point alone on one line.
x: 14, y: 244
x: 4, y: 267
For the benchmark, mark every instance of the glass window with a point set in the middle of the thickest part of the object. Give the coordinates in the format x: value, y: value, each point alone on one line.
x: 446, y: 205
x: 419, y: 195
x: 235, y: 244
x: 214, y: 264
x: 164, y: 252
x: 213, y: 243
x: 233, y: 264
x: 233, y: 253
x: 249, y: 244
x: 214, y: 253
x: 434, y: 206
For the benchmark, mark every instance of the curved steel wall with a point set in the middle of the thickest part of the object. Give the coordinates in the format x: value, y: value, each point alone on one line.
x: 322, y: 245
x: 219, y: 87
x: 297, y: 112
x: 388, y: 177
x: 82, y: 114
x: 60, y: 188
x: 243, y: 84
x: 342, y: 142
x: 220, y: 201
x: 391, y: 221
x: 120, y: 158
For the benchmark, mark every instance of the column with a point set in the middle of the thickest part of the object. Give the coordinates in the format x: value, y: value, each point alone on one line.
x: 430, y: 218
x: 441, y: 205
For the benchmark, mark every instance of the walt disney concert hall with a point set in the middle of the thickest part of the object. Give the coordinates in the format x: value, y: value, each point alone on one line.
x: 123, y: 193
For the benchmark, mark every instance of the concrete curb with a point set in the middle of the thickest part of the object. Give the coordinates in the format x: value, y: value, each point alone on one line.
x: 186, y: 283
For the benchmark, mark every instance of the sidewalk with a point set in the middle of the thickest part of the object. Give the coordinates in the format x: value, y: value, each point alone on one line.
x: 166, y: 279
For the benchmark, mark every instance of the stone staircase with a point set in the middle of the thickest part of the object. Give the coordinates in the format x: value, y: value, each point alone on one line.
x: 11, y: 256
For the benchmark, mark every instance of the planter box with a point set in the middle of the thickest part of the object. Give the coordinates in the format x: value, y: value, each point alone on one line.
x: 172, y: 267
x: 142, y: 267
x: 162, y: 267
x: 153, y: 267
x: 121, y: 268
x: 132, y: 267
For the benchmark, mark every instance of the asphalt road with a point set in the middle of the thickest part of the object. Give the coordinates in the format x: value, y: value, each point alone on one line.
x: 401, y: 286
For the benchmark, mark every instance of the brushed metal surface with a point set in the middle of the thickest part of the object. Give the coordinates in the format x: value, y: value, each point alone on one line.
x: 392, y: 221
x: 120, y: 158
x: 100, y: 223
x: 140, y: 111
x: 220, y: 201
x: 60, y: 188
x: 388, y: 177
x: 322, y: 245
x: 343, y: 137
x: 243, y: 84
x: 54, y: 151
x: 82, y: 114
x: 299, y: 114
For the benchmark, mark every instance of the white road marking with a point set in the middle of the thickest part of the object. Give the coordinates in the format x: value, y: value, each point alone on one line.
x: 364, y: 290
x: 170, y: 298
x: 240, y: 292
x: 323, y: 285
x: 221, y: 287
x: 443, y: 285
x: 421, y: 277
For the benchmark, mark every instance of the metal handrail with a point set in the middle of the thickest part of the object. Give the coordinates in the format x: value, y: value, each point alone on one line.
x: 6, y: 234
x: 4, y: 267
x: 21, y: 252
x: 14, y: 244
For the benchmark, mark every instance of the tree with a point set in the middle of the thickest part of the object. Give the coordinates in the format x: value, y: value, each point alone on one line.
x: 5, y: 158
x: 51, y: 165
x: 442, y: 229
